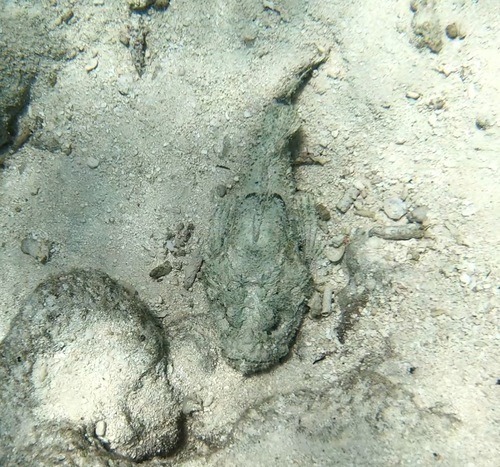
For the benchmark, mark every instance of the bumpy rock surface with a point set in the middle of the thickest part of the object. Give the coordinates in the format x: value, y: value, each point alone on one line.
x: 83, y: 372
x: 256, y: 274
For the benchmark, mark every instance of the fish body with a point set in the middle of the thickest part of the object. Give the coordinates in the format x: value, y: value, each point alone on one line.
x: 256, y: 273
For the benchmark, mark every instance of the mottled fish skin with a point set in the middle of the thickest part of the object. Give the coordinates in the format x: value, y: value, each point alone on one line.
x: 256, y: 275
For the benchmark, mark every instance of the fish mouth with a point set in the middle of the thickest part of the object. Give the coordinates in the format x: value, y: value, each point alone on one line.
x: 251, y: 350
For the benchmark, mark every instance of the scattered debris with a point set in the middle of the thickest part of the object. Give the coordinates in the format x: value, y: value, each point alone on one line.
x: 100, y: 429
x: 425, y: 25
x: 176, y: 241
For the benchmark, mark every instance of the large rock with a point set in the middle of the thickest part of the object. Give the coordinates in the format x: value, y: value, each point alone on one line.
x: 83, y: 371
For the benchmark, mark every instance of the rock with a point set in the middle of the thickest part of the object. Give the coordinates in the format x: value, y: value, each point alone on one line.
x: 453, y: 30
x: 92, y: 65
x: 418, y: 215
x: 337, y: 240
x: 395, y: 208
x: 38, y: 248
x: 161, y: 270
x: 413, y: 95
x: 100, y: 428
x: 92, y: 162
x: 323, y: 212
x: 335, y: 254
x: 347, y: 200
x: 221, y: 191
x: 315, y: 305
x: 483, y: 122
x: 81, y: 336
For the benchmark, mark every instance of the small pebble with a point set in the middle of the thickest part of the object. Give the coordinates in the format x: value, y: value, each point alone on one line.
x: 348, y: 199
x: 67, y: 15
x: 465, y: 278
x: 92, y: 65
x: 92, y: 162
x: 454, y: 30
x: 395, y: 208
x: 161, y: 270
x: 221, y: 191
x: 335, y: 254
x: 413, y: 95
x: 483, y: 122
x: 418, y: 215
x: 100, y: 428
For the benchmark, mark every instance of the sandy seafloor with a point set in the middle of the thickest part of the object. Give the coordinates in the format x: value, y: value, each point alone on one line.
x: 117, y: 159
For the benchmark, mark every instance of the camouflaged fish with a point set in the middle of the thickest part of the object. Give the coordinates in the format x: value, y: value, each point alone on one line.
x: 256, y: 267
